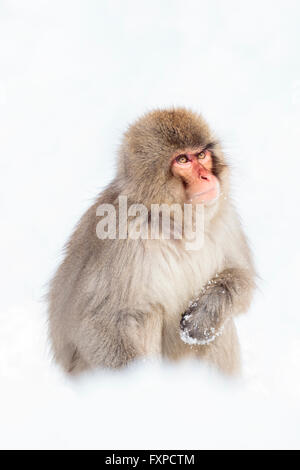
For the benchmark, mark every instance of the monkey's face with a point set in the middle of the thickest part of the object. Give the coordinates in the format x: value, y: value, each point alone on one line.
x: 195, y: 170
x: 171, y: 156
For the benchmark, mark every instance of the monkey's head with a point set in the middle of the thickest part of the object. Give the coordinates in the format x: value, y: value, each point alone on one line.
x: 171, y: 156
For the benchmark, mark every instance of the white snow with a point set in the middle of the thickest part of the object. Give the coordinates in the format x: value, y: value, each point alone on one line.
x: 209, y: 333
x: 73, y: 75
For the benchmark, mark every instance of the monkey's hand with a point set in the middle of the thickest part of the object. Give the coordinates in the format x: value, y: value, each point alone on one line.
x: 203, y: 321
x: 221, y: 298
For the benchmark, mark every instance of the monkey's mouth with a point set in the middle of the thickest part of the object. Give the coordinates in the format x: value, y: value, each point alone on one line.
x: 208, y: 195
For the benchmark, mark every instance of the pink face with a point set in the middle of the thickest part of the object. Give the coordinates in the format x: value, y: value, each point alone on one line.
x: 195, y: 169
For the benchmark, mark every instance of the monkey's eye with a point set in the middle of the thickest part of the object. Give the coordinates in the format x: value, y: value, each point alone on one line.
x: 182, y: 159
x: 202, y: 154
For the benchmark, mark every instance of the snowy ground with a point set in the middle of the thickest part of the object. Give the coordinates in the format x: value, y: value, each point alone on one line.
x: 72, y: 76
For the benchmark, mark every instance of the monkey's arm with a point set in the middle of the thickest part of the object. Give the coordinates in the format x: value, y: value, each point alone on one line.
x: 227, y: 294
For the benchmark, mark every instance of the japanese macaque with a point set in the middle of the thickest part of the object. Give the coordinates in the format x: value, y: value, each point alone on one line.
x: 117, y: 299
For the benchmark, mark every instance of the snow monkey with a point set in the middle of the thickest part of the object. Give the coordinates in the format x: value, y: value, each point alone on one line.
x: 121, y: 298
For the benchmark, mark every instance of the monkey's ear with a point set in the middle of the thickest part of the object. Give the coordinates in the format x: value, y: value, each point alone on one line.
x: 219, y: 167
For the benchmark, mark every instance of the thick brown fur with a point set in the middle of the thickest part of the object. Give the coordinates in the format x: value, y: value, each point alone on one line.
x: 112, y: 301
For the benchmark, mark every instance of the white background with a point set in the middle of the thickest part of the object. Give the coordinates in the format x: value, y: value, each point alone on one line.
x: 73, y: 75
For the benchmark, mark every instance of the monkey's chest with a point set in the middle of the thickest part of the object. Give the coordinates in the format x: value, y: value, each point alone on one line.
x: 176, y: 276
